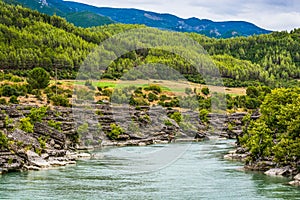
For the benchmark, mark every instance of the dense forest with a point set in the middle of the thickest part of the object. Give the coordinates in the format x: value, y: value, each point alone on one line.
x: 30, y: 39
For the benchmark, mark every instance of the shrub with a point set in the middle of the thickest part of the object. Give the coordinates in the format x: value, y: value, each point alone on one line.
x: 38, y: 78
x: 54, y: 124
x: 60, y: 100
x: 138, y: 101
x: 3, y: 101
x: 168, y: 123
x: 36, y: 114
x: 188, y: 91
x: 252, y: 103
x: 42, y: 142
x: 164, y: 98
x: 83, y: 128
x: 152, y: 97
x: 3, y: 140
x: 133, y: 127
x: 8, y: 91
x: 155, y: 88
x: 14, y: 100
x: 177, y: 117
x: 252, y: 92
x: 203, y: 115
x: 26, y: 125
x: 115, y: 131
x: 107, y: 92
x: 205, y: 91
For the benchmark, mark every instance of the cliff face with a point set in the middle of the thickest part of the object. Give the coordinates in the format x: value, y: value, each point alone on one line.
x: 57, y: 137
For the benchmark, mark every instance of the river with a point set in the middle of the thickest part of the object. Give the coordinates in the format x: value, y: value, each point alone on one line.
x: 198, y: 172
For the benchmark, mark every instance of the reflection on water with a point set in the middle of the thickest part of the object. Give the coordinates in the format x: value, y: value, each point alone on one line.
x: 200, y: 173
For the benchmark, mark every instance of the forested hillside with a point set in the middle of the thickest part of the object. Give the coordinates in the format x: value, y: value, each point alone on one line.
x: 30, y: 39
x: 57, y: 7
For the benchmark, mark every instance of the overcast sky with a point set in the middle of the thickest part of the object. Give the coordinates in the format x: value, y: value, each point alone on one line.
x: 268, y: 14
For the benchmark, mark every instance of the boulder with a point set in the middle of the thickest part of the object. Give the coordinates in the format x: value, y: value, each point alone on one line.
x: 297, y: 177
x: 296, y: 181
x: 35, y: 160
x: 277, y: 171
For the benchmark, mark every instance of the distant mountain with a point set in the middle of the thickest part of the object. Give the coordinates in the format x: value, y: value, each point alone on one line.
x: 82, y: 18
x: 86, y: 16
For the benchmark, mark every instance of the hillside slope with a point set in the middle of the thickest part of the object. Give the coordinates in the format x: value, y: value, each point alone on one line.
x: 30, y: 39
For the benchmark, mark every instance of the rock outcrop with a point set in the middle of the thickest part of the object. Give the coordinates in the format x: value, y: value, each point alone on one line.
x: 296, y: 181
x: 89, y: 127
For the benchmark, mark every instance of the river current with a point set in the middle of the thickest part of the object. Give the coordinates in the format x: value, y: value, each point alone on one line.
x: 198, y: 172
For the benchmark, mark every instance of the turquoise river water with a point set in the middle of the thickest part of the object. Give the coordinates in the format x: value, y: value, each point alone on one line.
x: 198, y: 172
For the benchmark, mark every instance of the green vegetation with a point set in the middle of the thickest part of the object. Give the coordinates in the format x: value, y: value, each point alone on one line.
x: 177, y: 117
x: 60, y: 100
x: 37, y: 114
x: 167, y: 122
x: 13, y: 99
x: 26, y: 125
x: 276, y: 133
x: 55, y: 124
x: 33, y: 40
x: 83, y: 128
x: 203, y: 115
x: 33, y: 46
x: 116, y: 130
x: 38, y: 78
x: 3, y: 140
x: 42, y: 142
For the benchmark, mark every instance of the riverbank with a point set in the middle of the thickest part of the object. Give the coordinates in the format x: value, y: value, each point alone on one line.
x: 268, y: 167
x: 58, y: 137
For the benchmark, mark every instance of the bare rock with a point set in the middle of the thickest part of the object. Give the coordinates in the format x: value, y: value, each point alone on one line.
x: 277, y: 171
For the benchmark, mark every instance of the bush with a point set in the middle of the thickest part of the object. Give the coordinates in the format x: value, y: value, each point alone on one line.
x: 252, y: 92
x: 3, y: 101
x: 133, y: 127
x: 3, y: 140
x: 26, y: 125
x: 60, y: 100
x: 115, y: 131
x: 83, y: 128
x: 152, y: 97
x: 54, y: 124
x: 8, y: 91
x: 168, y: 123
x: 38, y: 78
x: 177, y: 117
x: 37, y: 114
x: 42, y: 142
x: 205, y: 91
x: 252, y: 103
x: 188, y: 91
x: 14, y: 100
x: 164, y: 97
x: 155, y: 88
x: 138, y: 101
x: 203, y: 115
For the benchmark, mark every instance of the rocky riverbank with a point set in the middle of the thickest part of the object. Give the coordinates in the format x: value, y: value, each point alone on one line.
x: 268, y: 166
x: 63, y: 133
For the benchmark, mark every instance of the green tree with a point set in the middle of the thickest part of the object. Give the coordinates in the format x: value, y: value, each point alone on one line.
x: 38, y: 78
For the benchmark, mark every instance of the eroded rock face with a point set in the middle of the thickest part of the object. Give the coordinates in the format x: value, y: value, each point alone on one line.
x: 84, y: 129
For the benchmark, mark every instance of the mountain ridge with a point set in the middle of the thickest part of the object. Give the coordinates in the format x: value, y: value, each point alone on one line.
x: 166, y: 21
